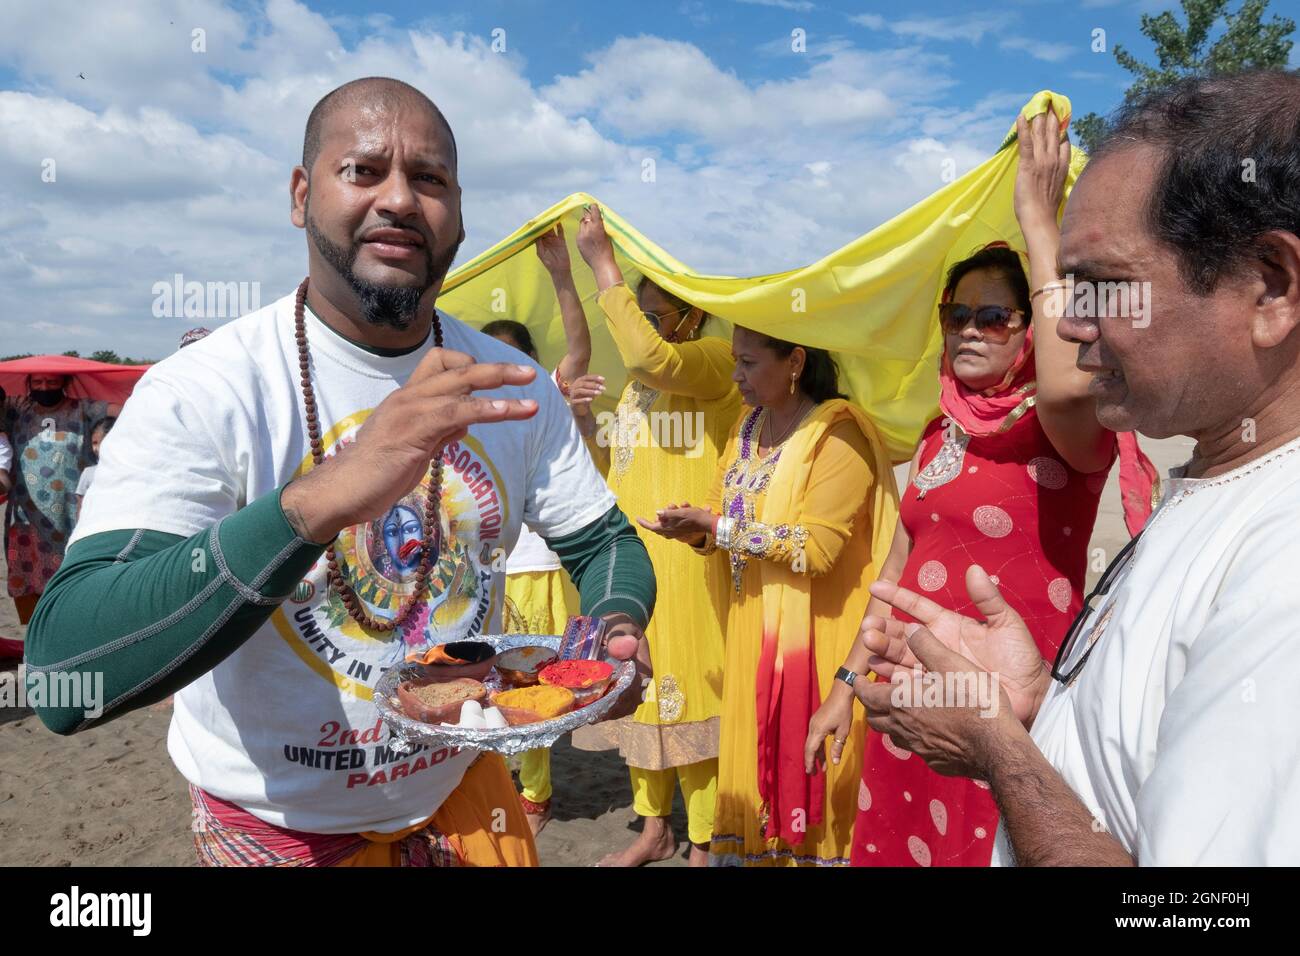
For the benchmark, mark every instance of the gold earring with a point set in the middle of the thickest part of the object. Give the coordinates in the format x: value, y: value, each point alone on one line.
x: 793, y: 378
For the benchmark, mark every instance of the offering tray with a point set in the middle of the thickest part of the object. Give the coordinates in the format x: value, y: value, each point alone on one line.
x: 407, y: 732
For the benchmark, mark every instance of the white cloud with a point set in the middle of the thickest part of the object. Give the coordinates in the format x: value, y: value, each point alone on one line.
x: 801, y: 6
x: 873, y: 21
x: 970, y: 26
x: 174, y: 162
x: 1039, y: 50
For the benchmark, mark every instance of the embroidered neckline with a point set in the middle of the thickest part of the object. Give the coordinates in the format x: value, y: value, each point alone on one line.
x: 628, y: 416
x: 746, y: 479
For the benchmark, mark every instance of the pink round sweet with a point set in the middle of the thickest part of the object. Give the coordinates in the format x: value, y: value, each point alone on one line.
x: 623, y: 647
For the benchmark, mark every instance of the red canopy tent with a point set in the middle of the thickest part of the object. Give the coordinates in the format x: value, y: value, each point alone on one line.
x: 99, y: 381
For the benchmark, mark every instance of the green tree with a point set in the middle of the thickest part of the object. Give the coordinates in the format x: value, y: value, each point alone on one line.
x: 72, y: 353
x: 1247, y: 43
x: 105, y: 355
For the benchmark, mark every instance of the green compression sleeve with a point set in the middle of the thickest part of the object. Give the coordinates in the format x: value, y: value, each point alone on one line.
x: 146, y: 613
x: 610, y: 567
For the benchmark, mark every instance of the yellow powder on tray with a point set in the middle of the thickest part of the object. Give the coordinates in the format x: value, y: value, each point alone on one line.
x: 544, y: 701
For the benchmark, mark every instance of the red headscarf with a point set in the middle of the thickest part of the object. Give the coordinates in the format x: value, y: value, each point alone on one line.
x: 998, y: 408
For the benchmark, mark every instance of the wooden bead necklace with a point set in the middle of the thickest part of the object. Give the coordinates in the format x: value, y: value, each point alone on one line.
x: 430, y: 526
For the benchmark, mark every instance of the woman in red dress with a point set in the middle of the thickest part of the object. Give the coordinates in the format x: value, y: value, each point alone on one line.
x: 1008, y: 477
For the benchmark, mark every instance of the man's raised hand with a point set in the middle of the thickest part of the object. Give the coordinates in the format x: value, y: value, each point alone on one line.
x: 391, y: 453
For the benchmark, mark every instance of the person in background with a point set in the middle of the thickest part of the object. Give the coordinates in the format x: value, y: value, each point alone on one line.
x: 88, y: 475
x: 804, y: 506
x: 50, y: 432
x: 540, y: 597
x: 9, y: 648
x: 671, y: 425
x: 6, y: 454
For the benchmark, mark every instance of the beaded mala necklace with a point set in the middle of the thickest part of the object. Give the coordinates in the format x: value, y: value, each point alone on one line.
x: 429, y: 527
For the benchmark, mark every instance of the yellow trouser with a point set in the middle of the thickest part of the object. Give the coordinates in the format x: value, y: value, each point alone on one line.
x: 652, y: 795
x: 535, y: 774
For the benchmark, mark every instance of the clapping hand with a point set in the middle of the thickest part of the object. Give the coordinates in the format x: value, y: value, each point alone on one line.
x: 1001, y: 644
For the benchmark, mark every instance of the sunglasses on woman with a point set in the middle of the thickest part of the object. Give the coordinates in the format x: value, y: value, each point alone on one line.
x: 990, y: 320
x: 675, y: 335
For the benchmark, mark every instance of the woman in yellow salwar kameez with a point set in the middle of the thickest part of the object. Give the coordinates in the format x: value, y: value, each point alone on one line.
x: 804, y: 504
x: 670, y: 426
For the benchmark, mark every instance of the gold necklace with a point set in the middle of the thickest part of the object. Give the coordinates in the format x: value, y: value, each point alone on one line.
x: 794, y: 422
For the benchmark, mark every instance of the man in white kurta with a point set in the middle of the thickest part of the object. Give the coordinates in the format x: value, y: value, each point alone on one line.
x: 1179, y: 733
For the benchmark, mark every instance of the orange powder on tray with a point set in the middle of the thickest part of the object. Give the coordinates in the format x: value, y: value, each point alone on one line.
x: 576, y: 675
x: 545, y: 702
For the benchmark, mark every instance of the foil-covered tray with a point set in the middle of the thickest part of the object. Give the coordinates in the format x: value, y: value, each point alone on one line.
x: 406, y: 732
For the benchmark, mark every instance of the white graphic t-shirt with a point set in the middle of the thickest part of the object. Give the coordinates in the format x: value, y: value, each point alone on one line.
x: 531, y: 554
x: 286, y: 727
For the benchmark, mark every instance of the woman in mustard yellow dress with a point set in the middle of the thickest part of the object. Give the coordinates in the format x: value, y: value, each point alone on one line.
x: 804, y: 506
x: 665, y: 438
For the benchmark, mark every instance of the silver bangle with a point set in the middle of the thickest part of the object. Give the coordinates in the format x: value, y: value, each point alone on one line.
x: 726, y: 525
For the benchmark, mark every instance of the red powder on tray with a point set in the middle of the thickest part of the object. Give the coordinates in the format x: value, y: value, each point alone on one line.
x: 576, y: 675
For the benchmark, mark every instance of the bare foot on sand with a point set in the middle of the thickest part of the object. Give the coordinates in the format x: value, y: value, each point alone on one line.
x: 538, y: 818
x: 655, y: 843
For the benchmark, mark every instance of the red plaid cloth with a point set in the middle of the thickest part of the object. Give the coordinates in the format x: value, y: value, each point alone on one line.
x: 227, y: 835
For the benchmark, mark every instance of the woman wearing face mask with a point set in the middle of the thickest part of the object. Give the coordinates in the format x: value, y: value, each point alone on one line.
x: 671, y: 423
x: 803, y: 505
x: 51, y: 435
x: 1007, y: 477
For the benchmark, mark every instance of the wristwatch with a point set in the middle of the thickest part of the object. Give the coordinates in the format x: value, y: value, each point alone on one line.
x: 846, y: 675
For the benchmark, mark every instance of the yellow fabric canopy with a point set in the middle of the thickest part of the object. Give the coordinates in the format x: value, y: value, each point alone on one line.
x: 872, y: 303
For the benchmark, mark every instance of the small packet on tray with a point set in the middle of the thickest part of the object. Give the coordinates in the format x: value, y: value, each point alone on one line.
x: 583, y: 639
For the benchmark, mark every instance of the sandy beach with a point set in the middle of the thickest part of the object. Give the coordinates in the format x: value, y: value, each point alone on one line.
x: 111, y: 796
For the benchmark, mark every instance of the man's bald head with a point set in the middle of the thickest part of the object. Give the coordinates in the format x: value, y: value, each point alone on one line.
x: 370, y: 91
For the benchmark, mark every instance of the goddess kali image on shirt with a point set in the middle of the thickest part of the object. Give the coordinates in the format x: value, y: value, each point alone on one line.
x: 380, y: 560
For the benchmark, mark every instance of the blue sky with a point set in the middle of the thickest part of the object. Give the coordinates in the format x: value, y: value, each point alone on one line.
x: 171, y: 160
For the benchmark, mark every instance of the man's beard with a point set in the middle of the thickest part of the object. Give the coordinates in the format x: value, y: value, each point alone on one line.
x: 391, y: 305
